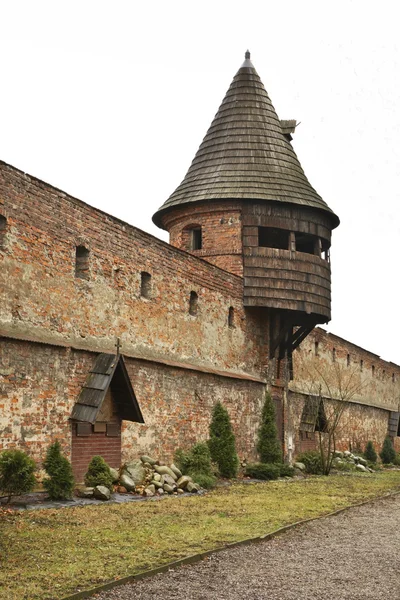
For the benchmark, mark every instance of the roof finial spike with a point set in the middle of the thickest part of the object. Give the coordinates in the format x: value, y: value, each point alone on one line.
x: 247, y: 54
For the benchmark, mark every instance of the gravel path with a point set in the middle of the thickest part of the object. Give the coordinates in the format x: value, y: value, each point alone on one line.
x: 352, y: 556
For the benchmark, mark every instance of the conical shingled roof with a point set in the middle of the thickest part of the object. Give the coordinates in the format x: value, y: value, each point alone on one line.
x: 245, y: 154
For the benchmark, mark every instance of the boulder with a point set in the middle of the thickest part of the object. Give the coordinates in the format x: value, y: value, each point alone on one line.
x: 299, y: 465
x: 127, y: 482
x: 361, y: 468
x: 114, y: 474
x: 101, y: 492
x: 175, y: 470
x: 136, y: 471
x: 148, y: 492
x: 338, y: 454
x: 180, y: 491
x: 148, y: 459
x: 193, y: 487
x: 121, y: 489
x: 168, y: 488
x: 163, y: 470
x: 157, y: 477
x: 84, y: 492
x: 170, y: 480
x: 157, y: 484
x: 148, y: 466
x: 160, y: 492
x: 183, y: 481
x: 347, y: 454
x: 362, y: 461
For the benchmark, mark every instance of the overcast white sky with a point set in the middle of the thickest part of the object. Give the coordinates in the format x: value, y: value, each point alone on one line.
x: 109, y: 101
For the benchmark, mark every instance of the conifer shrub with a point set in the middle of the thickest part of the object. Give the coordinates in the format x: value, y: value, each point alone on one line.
x: 222, y: 442
x: 387, y: 454
x: 16, y: 473
x: 98, y: 473
x: 60, y: 482
x: 263, y: 471
x: 370, y: 454
x: 397, y: 460
x: 286, y: 470
x: 196, y: 463
x: 312, y: 461
x: 268, y: 444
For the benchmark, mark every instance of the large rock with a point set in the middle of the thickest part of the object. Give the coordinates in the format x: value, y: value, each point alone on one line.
x: 148, y: 459
x: 361, y: 468
x: 157, y: 484
x: 85, y: 492
x: 338, y: 454
x: 299, y: 465
x: 157, y: 477
x: 362, y: 461
x: 101, y: 492
x: 183, y: 481
x: 127, y: 482
x: 169, y: 488
x: 193, y: 487
x: 114, y: 474
x: 165, y: 471
x: 170, y: 480
x: 175, y: 470
x: 136, y: 471
x: 149, y: 491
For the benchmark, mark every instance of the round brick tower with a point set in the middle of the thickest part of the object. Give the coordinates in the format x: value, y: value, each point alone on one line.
x: 246, y: 205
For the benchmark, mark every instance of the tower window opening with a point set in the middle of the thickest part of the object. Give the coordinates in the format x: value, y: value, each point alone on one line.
x: 393, y: 378
x: 316, y: 348
x: 398, y: 428
x: 334, y: 354
x: 145, y: 285
x: 272, y: 237
x: 305, y: 243
x: 348, y: 360
x: 231, y: 317
x: 82, y: 262
x: 193, y: 304
x: 3, y: 230
x: 196, y: 240
x: 373, y: 370
x: 361, y: 365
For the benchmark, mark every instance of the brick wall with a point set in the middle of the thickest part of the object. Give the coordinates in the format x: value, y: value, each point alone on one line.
x: 221, y: 225
x: 97, y: 444
x: 43, y: 299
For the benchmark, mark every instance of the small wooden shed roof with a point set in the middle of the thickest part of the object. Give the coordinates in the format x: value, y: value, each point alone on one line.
x: 313, y: 416
x: 246, y: 154
x: 107, y: 370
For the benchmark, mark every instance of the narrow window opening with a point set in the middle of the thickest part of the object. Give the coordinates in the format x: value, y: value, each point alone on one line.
x: 3, y: 230
x: 393, y: 378
x: 398, y: 428
x: 316, y: 347
x: 272, y: 237
x: 193, y: 304
x: 334, y: 354
x: 305, y: 243
x: 361, y: 365
x: 348, y: 360
x: 196, y: 239
x: 82, y: 262
x: 145, y: 285
x: 327, y: 255
x: 231, y: 317
x: 373, y: 370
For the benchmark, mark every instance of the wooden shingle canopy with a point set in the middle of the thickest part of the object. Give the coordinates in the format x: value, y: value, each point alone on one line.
x: 108, y: 370
x: 246, y: 154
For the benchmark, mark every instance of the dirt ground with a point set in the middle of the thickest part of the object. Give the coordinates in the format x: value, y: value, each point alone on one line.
x: 351, y: 556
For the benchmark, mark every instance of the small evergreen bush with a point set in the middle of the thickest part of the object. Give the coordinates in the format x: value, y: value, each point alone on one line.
x: 387, y: 453
x: 397, y: 460
x: 222, y: 442
x: 263, y: 471
x: 16, y: 473
x: 312, y: 462
x: 98, y: 473
x: 286, y: 470
x: 370, y: 453
x: 60, y: 483
x: 196, y: 463
x: 268, y: 445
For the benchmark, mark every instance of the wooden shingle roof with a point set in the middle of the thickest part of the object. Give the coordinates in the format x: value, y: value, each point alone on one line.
x: 108, y: 370
x: 246, y: 154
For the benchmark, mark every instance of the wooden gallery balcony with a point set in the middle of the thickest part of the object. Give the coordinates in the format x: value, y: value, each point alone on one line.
x: 287, y: 280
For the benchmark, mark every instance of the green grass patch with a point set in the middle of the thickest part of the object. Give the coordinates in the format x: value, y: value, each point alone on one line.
x: 53, y: 553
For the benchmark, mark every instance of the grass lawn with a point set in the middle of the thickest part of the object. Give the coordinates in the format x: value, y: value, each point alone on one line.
x: 53, y: 553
